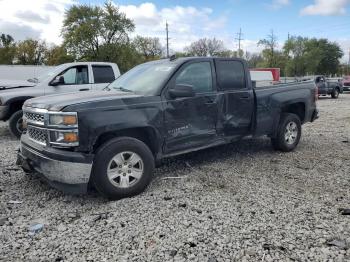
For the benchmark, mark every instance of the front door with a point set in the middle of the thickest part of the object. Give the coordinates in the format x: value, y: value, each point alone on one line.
x: 76, y: 78
x: 191, y: 121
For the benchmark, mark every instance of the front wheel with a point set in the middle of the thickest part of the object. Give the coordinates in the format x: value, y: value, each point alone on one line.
x: 335, y: 93
x: 16, y: 124
x: 288, y: 133
x: 123, y: 167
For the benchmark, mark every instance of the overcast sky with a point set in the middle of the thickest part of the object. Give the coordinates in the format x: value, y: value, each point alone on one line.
x: 191, y: 20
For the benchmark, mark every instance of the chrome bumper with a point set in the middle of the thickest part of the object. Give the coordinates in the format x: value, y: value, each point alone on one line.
x: 60, y: 172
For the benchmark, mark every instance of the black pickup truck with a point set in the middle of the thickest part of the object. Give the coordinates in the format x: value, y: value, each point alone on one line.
x: 114, y: 138
x: 328, y: 88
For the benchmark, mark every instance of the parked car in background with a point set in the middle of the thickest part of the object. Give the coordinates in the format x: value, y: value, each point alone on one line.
x: 327, y: 87
x: 346, y: 83
x: 70, y: 77
x: 114, y: 138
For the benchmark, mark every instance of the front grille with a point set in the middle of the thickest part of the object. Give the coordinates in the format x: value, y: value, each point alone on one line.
x: 37, y: 134
x: 34, y: 117
x: 346, y: 84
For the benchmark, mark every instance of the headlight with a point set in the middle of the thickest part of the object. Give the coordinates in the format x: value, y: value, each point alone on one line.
x: 64, y: 137
x: 69, y: 119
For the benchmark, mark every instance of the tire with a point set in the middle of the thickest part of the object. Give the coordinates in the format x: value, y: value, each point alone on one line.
x: 335, y: 93
x: 15, y: 124
x: 287, y: 140
x: 112, y: 158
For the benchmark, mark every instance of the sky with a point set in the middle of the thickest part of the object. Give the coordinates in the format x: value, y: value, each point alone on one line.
x: 190, y: 20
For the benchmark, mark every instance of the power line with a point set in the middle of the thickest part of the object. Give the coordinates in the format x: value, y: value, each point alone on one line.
x: 167, y: 39
x: 239, y: 39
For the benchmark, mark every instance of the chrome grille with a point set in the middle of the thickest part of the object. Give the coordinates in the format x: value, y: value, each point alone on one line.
x: 34, y: 117
x: 37, y: 134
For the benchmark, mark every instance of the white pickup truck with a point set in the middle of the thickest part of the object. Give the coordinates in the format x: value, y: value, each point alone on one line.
x: 65, y: 78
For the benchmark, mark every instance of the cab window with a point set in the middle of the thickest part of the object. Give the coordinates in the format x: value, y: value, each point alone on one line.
x: 103, y: 74
x: 198, y: 75
x: 77, y: 75
x: 230, y: 74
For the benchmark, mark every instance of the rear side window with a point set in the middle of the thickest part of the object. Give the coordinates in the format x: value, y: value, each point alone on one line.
x: 230, y: 75
x: 103, y: 74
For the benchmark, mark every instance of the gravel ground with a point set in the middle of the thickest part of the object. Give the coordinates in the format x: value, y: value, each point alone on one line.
x: 241, y: 202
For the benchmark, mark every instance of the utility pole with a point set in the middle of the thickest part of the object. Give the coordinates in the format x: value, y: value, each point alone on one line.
x: 239, y: 39
x: 348, y: 64
x: 167, y: 39
x: 285, y: 68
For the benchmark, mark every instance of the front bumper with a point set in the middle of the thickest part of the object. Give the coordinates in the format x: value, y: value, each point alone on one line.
x: 4, y: 112
x: 64, y: 170
x: 346, y: 88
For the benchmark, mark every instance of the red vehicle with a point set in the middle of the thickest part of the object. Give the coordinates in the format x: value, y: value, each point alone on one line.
x: 346, y: 83
x: 276, y: 73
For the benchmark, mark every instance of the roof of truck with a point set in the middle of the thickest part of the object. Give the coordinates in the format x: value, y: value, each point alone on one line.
x: 88, y: 62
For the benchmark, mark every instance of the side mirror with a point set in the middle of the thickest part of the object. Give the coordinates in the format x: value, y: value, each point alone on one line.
x: 59, y: 80
x: 181, y: 91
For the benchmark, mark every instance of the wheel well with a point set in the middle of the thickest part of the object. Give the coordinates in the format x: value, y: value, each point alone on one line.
x: 145, y: 134
x: 15, y: 106
x: 296, y: 108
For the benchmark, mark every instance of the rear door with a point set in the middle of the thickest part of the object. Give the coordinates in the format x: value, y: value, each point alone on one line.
x: 76, y: 78
x: 236, y: 98
x: 102, y: 76
x: 190, y: 122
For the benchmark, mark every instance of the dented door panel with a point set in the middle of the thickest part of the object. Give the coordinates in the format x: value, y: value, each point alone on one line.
x: 190, y: 122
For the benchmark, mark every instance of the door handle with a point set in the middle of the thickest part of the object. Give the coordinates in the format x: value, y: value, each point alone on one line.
x: 210, y: 102
x: 84, y: 89
x: 244, y: 97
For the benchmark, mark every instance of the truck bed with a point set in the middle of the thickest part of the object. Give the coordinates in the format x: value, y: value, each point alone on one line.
x: 270, y: 100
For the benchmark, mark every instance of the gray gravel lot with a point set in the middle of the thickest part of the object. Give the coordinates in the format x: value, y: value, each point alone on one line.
x: 241, y: 202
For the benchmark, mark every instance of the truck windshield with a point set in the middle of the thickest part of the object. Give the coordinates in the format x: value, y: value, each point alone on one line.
x: 50, y: 73
x: 145, y: 79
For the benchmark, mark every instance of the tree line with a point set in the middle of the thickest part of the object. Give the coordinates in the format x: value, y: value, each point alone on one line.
x: 95, y: 33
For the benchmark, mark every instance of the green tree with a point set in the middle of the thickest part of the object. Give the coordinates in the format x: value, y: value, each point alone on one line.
x: 294, y: 49
x: 124, y: 55
x: 254, y: 59
x: 86, y: 29
x: 206, y: 47
x: 7, y: 49
x: 270, y: 45
x: 56, y: 55
x: 31, y: 52
x: 149, y: 47
x: 311, y: 56
x: 322, y: 56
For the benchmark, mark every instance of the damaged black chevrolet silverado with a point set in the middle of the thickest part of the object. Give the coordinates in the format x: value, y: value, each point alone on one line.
x: 113, y: 139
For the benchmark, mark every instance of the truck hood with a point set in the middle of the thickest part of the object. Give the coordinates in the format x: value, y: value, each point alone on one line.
x: 58, y: 102
x: 10, y: 84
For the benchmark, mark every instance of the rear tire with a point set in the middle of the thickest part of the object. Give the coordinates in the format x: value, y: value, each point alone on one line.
x: 288, y: 133
x: 16, y: 124
x: 123, y: 167
x: 335, y: 93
